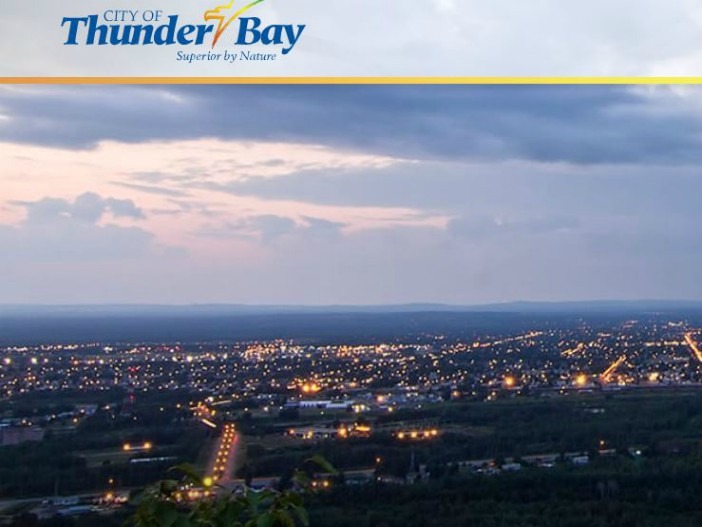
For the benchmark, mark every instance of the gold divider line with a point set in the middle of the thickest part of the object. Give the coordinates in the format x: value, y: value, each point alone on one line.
x: 356, y: 80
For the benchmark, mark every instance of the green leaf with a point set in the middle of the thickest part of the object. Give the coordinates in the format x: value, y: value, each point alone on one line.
x: 293, y: 498
x: 265, y: 520
x: 190, y: 472
x: 323, y: 464
x: 182, y: 521
x: 301, y: 478
x: 166, y: 514
x: 168, y: 486
x: 302, y: 515
x: 283, y: 518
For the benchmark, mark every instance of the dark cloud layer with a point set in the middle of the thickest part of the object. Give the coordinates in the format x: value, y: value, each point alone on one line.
x: 576, y: 124
x: 455, y: 188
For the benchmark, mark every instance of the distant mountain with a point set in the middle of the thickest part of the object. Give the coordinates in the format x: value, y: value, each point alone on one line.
x: 322, y: 324
x: 198, y: 310
x: 589, y: 306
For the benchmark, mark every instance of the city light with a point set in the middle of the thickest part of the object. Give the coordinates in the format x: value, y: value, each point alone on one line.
x: 417, y: 434
x: 311, y: 387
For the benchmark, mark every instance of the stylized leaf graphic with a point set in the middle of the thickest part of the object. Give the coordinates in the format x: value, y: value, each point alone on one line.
x: 219, y: 15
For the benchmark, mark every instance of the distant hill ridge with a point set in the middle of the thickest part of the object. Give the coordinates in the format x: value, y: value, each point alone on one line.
x: 243, y: 309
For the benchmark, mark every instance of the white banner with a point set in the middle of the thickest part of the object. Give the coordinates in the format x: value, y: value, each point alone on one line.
x: 231, y: 38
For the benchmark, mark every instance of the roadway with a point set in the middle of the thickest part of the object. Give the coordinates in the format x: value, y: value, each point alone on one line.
x: 222, y: 461
x: 693, y: 346
x: 607, y: 374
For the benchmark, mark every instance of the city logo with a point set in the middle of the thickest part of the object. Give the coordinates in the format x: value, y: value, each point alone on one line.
x: 225, y: 23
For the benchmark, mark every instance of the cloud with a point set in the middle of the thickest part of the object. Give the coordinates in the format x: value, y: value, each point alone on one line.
x: 88, y: 207
x: 340, y: 194
x: 269, y: 228
x: 484, y: 228
x: 521, y: 189
x: 322, y: 226
x: 56, y: 230
x: 73, y: 241
x: 574, y: 124
x: 150, y: 189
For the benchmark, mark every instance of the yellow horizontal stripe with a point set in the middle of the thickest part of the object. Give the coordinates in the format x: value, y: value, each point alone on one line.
x: 350, y: 80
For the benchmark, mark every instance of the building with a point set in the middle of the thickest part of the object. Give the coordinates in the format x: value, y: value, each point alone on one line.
x: 321, y: 404
x: 15, y: 435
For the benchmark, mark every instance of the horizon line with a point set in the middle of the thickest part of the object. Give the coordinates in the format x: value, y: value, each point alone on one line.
x: 351, y: 305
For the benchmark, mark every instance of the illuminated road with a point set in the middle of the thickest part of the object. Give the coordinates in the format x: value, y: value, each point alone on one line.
x: 577, y: 349
x: 222, y: 463
x: 693, y: 346
x: 607, y: 374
